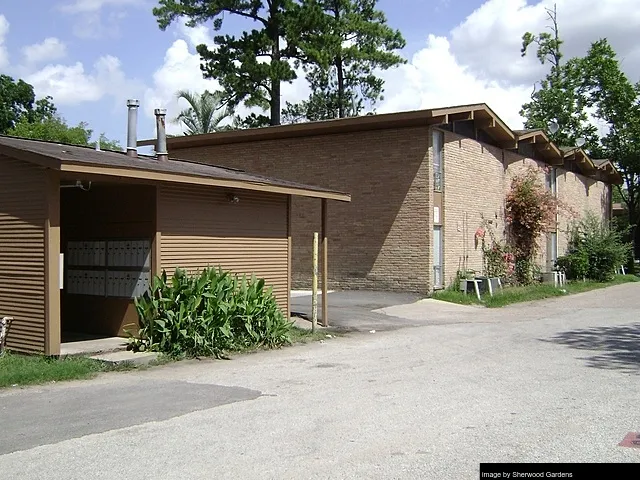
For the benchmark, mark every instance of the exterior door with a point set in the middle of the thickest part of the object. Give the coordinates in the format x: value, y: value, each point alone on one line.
x: 437, y: 256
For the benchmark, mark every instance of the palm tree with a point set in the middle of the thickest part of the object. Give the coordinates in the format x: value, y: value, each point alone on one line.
x: 205, y: 112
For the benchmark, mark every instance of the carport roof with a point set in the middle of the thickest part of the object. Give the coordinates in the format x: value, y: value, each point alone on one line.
x: 86, y: 160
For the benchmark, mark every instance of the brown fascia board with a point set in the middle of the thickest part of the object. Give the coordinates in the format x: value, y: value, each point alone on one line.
x: 343, y: 125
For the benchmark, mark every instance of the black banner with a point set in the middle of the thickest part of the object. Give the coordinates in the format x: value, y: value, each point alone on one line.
x: 574, y: 471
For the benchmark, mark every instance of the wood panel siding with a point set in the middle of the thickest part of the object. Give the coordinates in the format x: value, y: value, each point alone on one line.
x: 201, y: 227
x: 23, y: 213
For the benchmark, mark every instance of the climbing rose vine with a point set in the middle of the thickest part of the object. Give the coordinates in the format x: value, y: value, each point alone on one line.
x: 530, y: 210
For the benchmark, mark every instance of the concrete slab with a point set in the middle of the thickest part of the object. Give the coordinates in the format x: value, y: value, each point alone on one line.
x: 127, y: 356
x: 363, y: 311
x: 93, y: 346
x: 306, y: 293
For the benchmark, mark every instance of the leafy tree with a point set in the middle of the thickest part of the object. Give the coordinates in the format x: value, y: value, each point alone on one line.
x: 17, y: 102
x: 52, y: 130
x: 107, y: 144
x: 617, y: 103
x: 345, y: 41
x: 205, y: 112
x: 55, y: 129
x: 250, y: 67
x: 558, y: 98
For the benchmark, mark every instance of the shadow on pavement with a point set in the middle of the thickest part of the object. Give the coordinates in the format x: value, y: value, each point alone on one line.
x: 618, y: 346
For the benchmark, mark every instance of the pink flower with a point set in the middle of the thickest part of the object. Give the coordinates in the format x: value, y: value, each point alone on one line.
x: 480, y: 232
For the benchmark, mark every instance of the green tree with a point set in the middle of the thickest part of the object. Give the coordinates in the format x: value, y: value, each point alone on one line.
x: 205, y: 112
x: 17, y: 102
x: 617, y: 103
x: 345, y: 42
x: 250, y: 67
x: 55, y: 129
x: 557, y: 98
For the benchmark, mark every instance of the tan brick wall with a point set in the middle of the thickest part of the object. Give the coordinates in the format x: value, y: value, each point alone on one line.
x: 381, y: 240
x: 582, y: 194
x: 473, y: 190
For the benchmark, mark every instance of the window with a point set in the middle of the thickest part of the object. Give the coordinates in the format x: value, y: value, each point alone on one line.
x: 550, y: 179
x: 438, y: 155
x: 437, y: 257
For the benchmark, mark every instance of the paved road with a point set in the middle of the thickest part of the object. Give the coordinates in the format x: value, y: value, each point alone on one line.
x: 555, y: 381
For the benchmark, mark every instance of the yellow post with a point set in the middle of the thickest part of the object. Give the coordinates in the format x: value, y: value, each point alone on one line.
x: 325, y: 266
x: 314, y: 285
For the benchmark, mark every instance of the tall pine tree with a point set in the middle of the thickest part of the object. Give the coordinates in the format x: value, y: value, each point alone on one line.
x: 252, y: 66
x: 345, y: 42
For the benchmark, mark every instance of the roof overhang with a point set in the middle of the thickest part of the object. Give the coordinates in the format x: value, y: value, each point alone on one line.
x: 609, y: 171
x: 542, y: 145
x: 582, y: 160
x: 483, y: 117
x: 121, y: 173
x: 147, y: 175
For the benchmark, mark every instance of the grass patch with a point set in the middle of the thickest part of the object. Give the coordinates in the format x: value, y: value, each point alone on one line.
x: 302, y: 335
x: 510, y: 295
x: 23, y: 370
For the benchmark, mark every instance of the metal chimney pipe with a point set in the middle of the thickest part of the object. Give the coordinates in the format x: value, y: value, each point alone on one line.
x: 132, y: 127
x: 161, y: 142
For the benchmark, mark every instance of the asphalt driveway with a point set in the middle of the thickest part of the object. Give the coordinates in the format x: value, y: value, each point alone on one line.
x: 364, y: 311
x: 551, y: 381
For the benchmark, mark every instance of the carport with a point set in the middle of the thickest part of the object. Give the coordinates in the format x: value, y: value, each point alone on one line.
x: 83, y: 232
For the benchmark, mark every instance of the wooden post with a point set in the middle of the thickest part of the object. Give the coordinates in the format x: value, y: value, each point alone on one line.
x: 325, y: 266
x: 52, y: 266
x: 314, y: 285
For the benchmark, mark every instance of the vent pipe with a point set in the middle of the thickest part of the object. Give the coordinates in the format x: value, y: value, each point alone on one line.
x: 132, y: 126
x: 161, y: 143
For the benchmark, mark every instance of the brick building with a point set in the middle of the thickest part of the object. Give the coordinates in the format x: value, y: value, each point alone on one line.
x: 421, y: 183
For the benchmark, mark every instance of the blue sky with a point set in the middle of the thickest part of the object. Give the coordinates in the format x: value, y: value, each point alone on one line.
x: 91, y: 55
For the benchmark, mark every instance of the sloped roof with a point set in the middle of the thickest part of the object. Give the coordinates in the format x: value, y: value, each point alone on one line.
x: 73, y: 158
x: 485, y: 119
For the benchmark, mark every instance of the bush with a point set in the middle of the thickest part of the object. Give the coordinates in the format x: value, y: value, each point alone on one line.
x: 595, y: 251
x: 207, y: 314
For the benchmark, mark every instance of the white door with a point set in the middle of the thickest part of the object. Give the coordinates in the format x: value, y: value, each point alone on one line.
x: 437, y: 256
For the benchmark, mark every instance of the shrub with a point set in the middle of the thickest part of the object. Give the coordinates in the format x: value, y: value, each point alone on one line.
x: 595, y: 251
x: 575, y: 265
x: 530, y: 210
x: 207, y: 314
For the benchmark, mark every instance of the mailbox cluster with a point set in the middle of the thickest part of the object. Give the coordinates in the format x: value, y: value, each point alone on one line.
x: 119, y: 268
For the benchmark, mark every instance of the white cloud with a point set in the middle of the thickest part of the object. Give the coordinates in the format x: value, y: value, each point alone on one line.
x: 181, y: 71
x: 489, y: 40
x: 90, y: 6
x: 435, y: 78
x: 99, y: 18
x: 4, y: 29
x: 49, y: 49
x: 72, y: 85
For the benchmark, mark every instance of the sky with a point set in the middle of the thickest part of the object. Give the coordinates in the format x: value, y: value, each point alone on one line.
x: 92, y: 55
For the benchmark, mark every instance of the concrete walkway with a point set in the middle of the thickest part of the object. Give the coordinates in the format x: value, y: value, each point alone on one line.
x: 552, y: 381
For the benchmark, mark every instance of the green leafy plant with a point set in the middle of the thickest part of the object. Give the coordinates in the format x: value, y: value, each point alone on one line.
x: 208, y: 314
x: 530, y: 209
x: 595, y: 251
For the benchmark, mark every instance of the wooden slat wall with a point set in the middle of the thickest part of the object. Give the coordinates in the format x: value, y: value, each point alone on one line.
x: 199, y: 227
x: 22, y: 253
